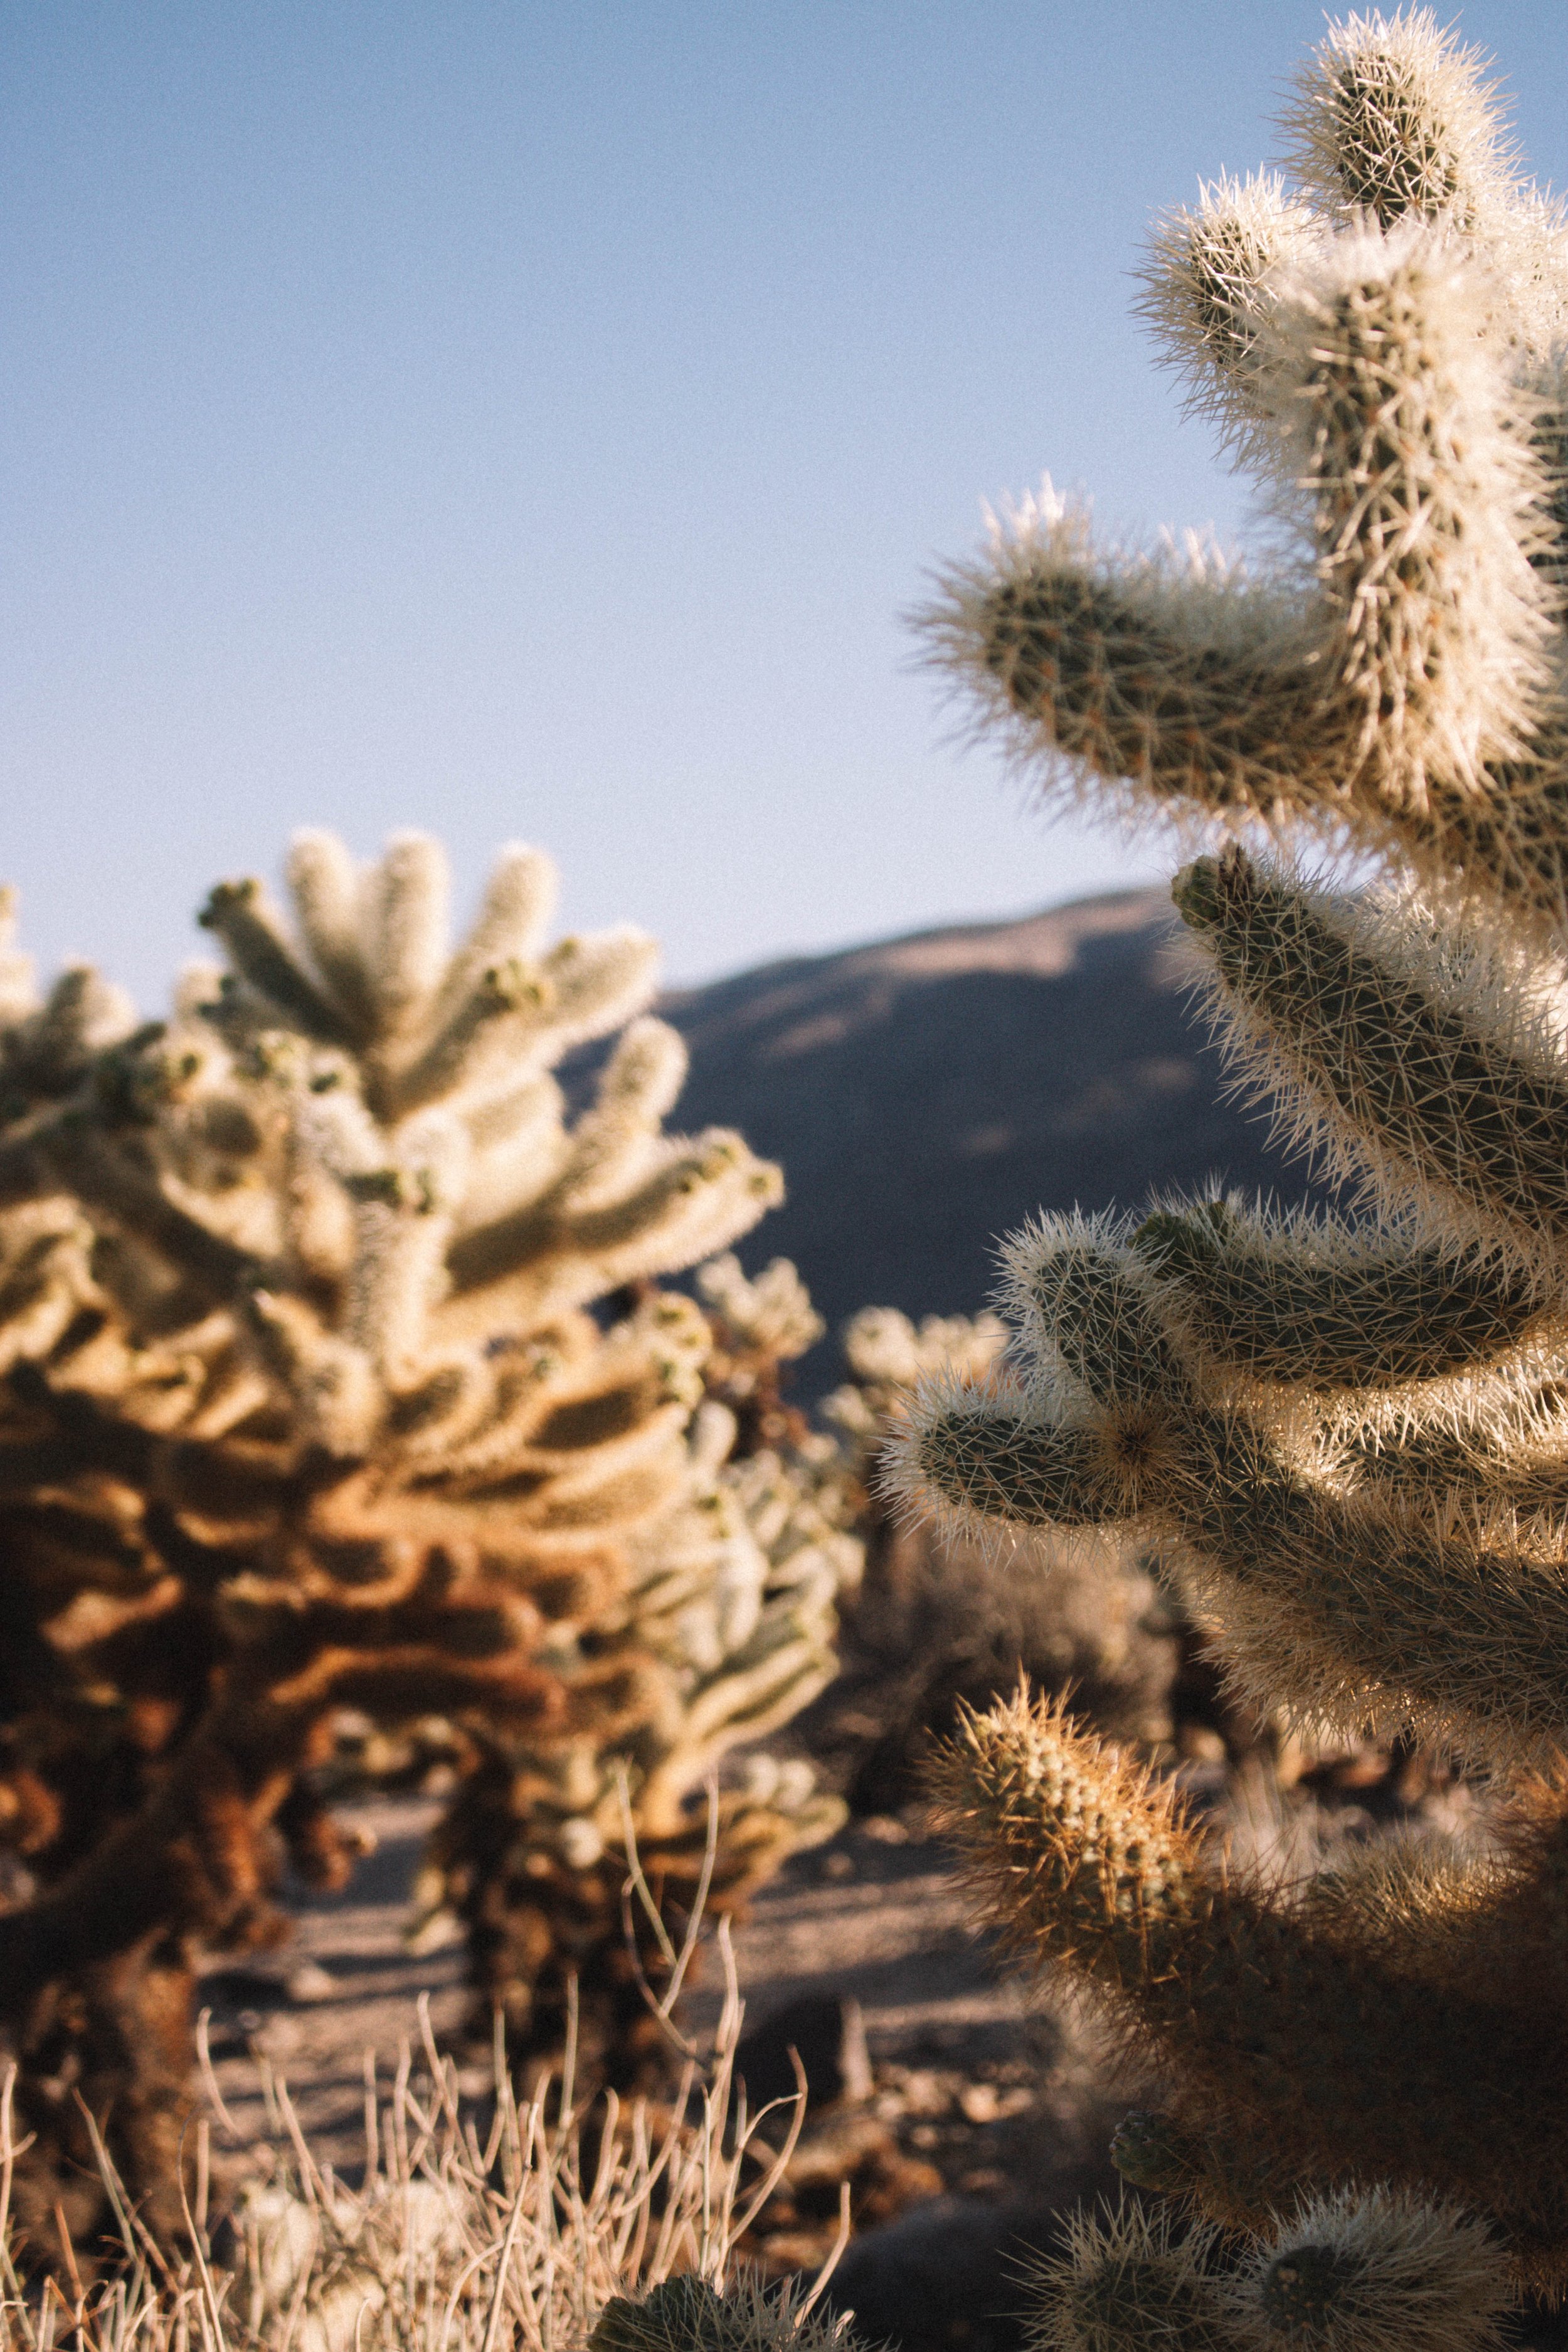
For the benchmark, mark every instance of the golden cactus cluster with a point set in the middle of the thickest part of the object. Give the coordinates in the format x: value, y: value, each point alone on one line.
x: 336, y: 1374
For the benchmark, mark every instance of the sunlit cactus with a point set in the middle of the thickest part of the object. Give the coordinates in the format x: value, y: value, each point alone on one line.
x: 304, y: 1407
x: 1343, y: 1433
x: 1384, y: 344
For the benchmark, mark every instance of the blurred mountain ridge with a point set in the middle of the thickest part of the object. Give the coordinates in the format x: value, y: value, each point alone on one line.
x: 927, y: 1094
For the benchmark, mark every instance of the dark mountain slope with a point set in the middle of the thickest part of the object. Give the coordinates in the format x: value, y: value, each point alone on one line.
x: 926, y: 1095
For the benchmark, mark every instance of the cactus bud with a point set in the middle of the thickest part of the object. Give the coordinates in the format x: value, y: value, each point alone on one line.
x: 1149, y: 2152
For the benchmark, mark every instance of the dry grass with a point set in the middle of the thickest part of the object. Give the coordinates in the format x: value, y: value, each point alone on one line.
x: 509, y: 2225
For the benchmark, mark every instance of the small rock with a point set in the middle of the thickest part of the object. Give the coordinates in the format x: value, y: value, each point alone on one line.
x: 310, y: 1981
x: 987, y: 2103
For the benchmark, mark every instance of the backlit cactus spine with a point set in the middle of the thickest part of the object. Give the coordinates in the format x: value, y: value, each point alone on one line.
x: 1346, y: 1435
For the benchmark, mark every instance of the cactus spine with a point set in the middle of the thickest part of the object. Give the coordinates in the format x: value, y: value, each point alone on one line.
x: 1344, y: 1433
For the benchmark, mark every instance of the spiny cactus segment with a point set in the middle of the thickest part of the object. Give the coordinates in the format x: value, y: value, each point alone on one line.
x: 1342, y: 2274
x: 1129, y: 2280
x: 1349, y: 2273
x: 1392, y: 365
x: 688, y: 2314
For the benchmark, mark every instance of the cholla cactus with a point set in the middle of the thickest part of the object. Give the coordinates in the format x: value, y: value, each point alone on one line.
x: 1345, y: 1434
x: 304, y: 1407
x: 726, y: 1633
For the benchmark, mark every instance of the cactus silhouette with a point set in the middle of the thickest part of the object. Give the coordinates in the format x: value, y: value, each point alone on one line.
x: 304, y: 1407
x: 1346, y: 1433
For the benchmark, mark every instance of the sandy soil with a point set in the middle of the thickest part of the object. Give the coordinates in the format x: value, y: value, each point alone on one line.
x: 876, y: 1916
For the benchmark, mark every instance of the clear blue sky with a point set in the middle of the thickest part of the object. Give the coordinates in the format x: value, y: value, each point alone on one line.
x: 530, y: 419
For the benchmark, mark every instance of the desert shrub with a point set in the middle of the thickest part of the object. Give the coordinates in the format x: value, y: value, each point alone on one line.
x: 548, y: 2223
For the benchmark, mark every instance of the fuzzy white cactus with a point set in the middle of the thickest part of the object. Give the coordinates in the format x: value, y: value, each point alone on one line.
x: 1345, y: 1435
x: 1392, y: 364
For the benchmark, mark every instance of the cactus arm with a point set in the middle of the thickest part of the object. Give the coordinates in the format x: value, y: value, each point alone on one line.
x: 637, y: 1232
x: 324, y: 884
x: 1395, y: 1070
x: 504, y: 1010
x: 1427, y: 504
x: 704, y: 1193
x: 1326, y: 1305
x: 1080, y: 1295
x: 1207, y: 289
x: 1190, y: 690
x: 252, y: 931
x: 1379, y: 2267
x: 1342, y: 2063
x: 519, y: 901
x: 1422, y: 654
x: 598, y: 982
x: 618, y: 1138
x: 516, y: 1011
x: 1365, y: 1613
x: 1355, y: 1610
x: 404, y: 927
x: 981, y: 1459
x: 1389, y: 118
x: 1127, y: 2278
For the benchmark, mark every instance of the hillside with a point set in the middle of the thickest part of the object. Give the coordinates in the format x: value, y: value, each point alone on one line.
x: 927, y: 1094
